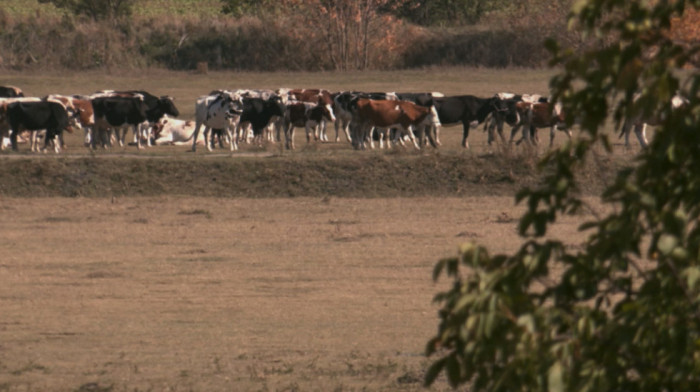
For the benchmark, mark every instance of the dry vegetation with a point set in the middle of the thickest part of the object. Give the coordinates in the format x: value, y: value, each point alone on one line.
x: 172, y: 271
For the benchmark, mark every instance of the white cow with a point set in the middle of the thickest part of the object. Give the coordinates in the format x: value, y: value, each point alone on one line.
x: 173, y: 131
x: 219, y: 110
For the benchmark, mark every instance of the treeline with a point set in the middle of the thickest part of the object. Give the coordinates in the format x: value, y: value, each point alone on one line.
x: 331, y: 35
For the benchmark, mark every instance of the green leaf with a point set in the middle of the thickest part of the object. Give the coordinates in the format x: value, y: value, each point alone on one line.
x: 434, y: 371
x: 666, y: 244
x: 453, y: 371
x: 555, y: 378
x: 692, y: 275
x: 527, y: 321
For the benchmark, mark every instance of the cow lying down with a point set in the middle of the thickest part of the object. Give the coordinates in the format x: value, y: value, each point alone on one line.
x: 173, y: 131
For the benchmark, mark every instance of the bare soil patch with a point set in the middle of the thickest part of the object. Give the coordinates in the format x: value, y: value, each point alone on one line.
x: 204, y: 294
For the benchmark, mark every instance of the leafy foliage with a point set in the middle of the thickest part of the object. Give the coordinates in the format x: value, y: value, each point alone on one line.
x: 621, y: 313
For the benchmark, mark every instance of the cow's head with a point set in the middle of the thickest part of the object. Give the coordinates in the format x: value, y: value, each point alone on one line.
x: 167, y: 106
x: 233, y: 107
x: 277, y: 106
x: 506, y: 108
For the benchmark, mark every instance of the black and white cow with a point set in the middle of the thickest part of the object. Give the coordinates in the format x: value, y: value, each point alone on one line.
x: 115, y: 113
x: 219, y: 110
x: 258, y: 112
x: 49, y: 114
x: 156, y: 108
x: 470, y: 111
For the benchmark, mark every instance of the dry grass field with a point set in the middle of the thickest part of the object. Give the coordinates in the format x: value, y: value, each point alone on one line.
x: 300, y: 271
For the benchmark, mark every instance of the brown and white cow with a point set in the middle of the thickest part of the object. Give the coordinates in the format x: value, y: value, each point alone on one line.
x: 317, y: 96
x: 539, y: 115
x: 385, y: 114
x: 303, y: 114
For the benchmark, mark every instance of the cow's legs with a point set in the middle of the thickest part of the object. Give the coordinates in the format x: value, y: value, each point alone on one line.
x: 551, y: 135
x: 13, y: 139
x: 137, y: 134
x: 428, y: 131
x: 233, y: 143
x: 289, y: 137
x: 34, y: 141
x: 411, y: 136
x: 195, y: 134
x: 465, y: 134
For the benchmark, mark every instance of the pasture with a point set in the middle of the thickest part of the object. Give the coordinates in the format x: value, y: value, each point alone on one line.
x: 257, y: 270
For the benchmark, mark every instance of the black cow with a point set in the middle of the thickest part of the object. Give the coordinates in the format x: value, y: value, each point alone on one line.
x: 156, y: 108
x: 470, y: 111
x: 117, y: 113
x: 34, y: 116
x: 10, y: 92
x: 258, y: 112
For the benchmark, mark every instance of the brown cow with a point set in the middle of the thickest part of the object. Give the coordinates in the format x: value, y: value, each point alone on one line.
x: 385, y: 114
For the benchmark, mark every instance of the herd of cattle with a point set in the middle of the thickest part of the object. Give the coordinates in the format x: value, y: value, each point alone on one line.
x: 259, y: 116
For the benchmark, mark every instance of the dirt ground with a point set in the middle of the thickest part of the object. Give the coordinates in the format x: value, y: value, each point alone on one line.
x: 210, y: 294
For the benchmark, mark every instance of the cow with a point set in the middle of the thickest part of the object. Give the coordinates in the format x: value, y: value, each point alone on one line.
x: 639, y: 122
x: 385, y: 114
x: 156, y: 107
x: 498, y: 118
x: 5, y: 127
x: 117, y: 112
x: 318, y: 96
x: 540, y: 115
x: 244, y: 132
x: 342, y: 102
x: 10, y: 92
x: 303, y: 114
x: 173, y: 131
x: 259, y: 112
x: 36, y: 115
x: 218, y: 110
x: 80, y: 109
x: 426, y: 100
x: 470, y: 111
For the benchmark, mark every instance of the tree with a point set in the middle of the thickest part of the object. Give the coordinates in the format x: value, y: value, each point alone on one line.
x: 624, y: 313
x: 95, y: 9
x: 448, y: 12
x: 349, y: 29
